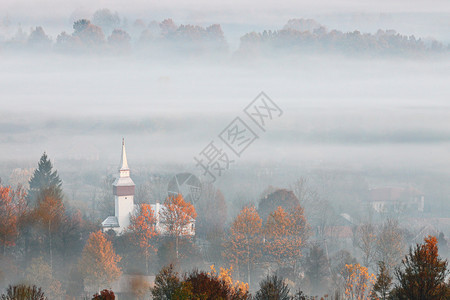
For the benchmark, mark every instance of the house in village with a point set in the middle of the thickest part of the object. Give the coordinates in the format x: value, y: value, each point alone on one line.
x: 396, y: 200
x: 124, y: 207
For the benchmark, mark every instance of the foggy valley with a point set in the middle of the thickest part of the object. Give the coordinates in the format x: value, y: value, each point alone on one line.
x: 346, y: 175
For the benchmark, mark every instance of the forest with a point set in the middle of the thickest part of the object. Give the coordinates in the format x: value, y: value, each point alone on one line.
x: 282, y: 248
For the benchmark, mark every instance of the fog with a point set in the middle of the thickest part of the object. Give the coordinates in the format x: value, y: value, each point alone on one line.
x: 363, y: 88
x: 336, y: 109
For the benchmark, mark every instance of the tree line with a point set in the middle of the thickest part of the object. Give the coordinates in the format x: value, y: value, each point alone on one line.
x: 106, y: 32
x: 421, y: 276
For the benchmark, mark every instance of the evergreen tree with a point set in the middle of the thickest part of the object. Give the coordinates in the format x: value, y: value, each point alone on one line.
x: 273, y: 287
x: 167, y: 284
x: 423, y: 274
x: 382, y: 286
x: 316, y: 264
x: 44, y: 178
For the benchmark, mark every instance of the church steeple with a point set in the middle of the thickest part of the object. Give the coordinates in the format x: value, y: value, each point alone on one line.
x: 123, y: 191
x: 123, y: 159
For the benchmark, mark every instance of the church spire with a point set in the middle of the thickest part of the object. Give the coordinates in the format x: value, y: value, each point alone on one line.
x: 123, y: 159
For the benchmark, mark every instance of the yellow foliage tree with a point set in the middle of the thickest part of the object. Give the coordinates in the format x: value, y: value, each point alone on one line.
x: 8, y: 218
x: 358, y: 282
x: 143, y: 230
x: 39, y: 272
x: 283, y: 240
x: 238, y: 288
x: 177, y: 216
x: 99, y: 262
x: 50, y: 212
x: 243, y: 245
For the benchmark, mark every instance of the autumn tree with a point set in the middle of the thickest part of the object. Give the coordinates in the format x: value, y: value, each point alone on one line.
x: 88, y: 34
x: 177, y: 216
x: 366, y: 241
x: 167, y: 27
x: 390, y: 244
x: 104, y: 295
x: 204, y: 285
x: 20, y: 177
x: 244, y: 244
x: 39, y: 272
x: 140, y: 287
x: 358, y: 282
x: 50, y: 212
x: 299, y: 224
x: 23, y: 292
x: 382, y: 287
x: 422, y: 274
x: 44, y: 178
x: 280, y: 197
x: 143, y: 230
x: 338, y: 263
x: 238, y: 289
x: 99, y: 262
x: 8, y: 218
x: 119, y: 40
x: 282, y: 242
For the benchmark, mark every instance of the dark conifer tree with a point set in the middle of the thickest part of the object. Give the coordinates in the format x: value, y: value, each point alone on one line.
x: 44, y: 178
x: 423, y: 273
x: 382, y: 286
x: 316, y: 264
x: 273, y: 287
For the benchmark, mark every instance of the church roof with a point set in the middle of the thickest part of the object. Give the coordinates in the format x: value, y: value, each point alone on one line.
x: 123, y: 158
x: 124, y: 181
x: 110, y: 221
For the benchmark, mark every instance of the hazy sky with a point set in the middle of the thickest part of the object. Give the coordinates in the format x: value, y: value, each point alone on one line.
x: 46, y: 7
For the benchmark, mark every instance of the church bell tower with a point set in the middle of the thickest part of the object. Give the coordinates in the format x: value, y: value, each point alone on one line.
x: 123, y: 190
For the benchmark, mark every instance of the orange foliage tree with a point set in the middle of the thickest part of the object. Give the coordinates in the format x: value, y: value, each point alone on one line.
x: 143, y: 230
x: 423, y: 273
x: 243, y: 246
x: 283, y: 236
x: 238, y: 288
x: 8, y: 218
x: 99, y: 262
x: 358, y: 282
x: 177, y: 217
x: 50, y: 212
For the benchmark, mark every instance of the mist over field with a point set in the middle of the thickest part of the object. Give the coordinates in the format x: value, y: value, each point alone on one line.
x: 362, y: 144
x: 81, y: 106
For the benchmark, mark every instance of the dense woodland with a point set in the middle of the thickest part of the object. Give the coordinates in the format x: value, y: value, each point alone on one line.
x: 107, y: 33
x: 285, y: 247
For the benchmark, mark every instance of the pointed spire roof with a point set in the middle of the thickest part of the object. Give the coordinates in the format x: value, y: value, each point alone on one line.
x: 123, y: 159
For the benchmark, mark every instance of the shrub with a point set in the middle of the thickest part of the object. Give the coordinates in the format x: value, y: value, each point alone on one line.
x: 104, y: 295
x: 273, y: 287
x: 23, y: 292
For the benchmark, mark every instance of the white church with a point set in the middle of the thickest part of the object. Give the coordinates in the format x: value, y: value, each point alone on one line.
x: 124, y: 207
